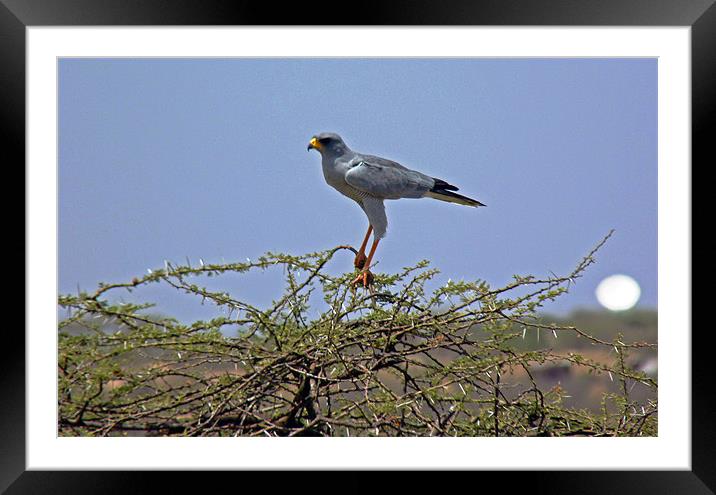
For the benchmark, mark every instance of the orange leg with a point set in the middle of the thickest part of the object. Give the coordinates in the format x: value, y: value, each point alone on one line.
x: 360, y: 257
x: 365, y: 276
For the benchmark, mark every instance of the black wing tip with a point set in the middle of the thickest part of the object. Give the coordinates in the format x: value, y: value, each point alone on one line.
x: 441, y: 185
x: 463, y: 200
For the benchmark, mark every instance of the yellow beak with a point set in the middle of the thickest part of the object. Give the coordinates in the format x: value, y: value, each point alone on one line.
x: 314, y: 144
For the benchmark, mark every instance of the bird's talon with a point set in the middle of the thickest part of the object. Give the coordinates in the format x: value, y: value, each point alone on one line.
x: 366, y: 278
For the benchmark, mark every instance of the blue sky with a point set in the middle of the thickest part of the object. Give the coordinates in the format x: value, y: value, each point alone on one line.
x: 206, y: 158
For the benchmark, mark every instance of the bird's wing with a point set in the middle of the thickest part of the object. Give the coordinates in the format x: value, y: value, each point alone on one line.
x: 386, y: 179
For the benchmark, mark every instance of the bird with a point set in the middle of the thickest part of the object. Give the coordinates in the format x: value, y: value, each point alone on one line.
x: 369, y: 180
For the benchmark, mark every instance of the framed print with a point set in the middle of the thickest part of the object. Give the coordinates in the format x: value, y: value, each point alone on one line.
x: 168, y: 215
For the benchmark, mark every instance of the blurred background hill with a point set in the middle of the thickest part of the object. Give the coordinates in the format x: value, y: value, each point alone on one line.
x: 584, y: 389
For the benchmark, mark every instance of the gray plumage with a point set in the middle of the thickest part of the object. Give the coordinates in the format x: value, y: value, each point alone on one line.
x: 369, y: 180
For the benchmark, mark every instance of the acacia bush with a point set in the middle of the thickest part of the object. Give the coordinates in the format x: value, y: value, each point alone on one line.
x: 325, y: 359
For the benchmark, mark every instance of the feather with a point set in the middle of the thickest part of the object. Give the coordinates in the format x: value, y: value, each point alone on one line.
x: 451, y: 197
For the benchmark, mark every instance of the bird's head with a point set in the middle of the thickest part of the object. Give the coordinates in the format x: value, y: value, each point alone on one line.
x: 328, y: 143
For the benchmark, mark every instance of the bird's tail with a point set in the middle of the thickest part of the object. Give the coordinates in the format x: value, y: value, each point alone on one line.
x: 444, y: 192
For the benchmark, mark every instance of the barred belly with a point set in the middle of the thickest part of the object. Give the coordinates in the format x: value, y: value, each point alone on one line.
x: 350, y: 191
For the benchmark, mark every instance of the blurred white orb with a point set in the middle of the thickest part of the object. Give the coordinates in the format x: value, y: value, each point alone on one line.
x: 618, y: 292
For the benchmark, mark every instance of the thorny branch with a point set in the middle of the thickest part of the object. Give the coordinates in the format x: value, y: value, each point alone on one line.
x: 398, y: 361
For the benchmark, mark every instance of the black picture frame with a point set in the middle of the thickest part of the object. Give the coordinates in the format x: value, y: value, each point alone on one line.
x: 16, y: 15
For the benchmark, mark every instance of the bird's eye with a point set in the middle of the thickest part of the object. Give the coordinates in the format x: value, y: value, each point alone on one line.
x: 324, y: 140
